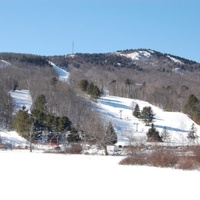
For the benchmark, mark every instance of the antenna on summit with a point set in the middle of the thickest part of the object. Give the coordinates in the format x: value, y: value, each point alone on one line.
x: 73, y: 48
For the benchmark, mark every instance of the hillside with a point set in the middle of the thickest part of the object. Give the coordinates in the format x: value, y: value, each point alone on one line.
x: 118, y: 110
x: 159, y: 78
x: 132, y: 130
x: 163, y: 80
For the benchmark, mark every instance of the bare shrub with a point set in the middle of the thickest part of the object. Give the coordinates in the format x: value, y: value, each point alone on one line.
x: 159, y: 157
x: 74, y: 149
x: 196, y: 151
x: 134, y: 160
x: 163, y: 158
x: 134, y: 149
x: 186, y: 163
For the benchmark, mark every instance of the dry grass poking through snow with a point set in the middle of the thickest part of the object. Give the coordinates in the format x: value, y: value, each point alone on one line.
x: 187, y: 158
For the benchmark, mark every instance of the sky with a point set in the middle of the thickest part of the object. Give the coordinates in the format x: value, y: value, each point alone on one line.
x: 49, y: 27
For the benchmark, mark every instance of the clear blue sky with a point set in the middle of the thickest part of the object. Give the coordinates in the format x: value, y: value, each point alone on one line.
x: 49, y: 27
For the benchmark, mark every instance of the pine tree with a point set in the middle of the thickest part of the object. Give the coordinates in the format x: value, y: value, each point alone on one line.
x: 83, y: 84
x: 22, y: 122
x: 90, y: 88
x: 109, y: 138
x: 54, y: 81
x: 38, y: 115
x: 64, y: 124
x: 192, y: 108
x: 39, y: 103
x: 136, y: 111
x: 165, y: 135
x: 147, y: 115
x: 127, y: 82
x: 153, y: 135
x: 73, y: 136
x: 192, y: 135
x: 96, y: 93
x: 111, y: 135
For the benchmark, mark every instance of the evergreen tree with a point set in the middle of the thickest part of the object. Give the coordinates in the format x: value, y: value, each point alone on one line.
x: 55, y: 124
x: 111, y: 135
x: 54, y: 81
x: 83, y: 84
x: 127, y: 82
x: 39, y: 103
x: 136, y: 111
x: 153, y: 135
x: 192, y: 135
x: 64, y: 124
x: 73, y: 136
x: 96, y: 93
x: 147, y: 115
x: 165, y: 135
x: 48, y: 121
x: 38, y: 114
x: 90, y: 88
x: 22, y: 123
x: 192, y: 108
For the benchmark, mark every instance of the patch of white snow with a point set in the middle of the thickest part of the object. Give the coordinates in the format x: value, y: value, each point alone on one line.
x: 63, y: 74
x: 4, y: 63
x: 136, y: 55
x: 175, y: 60
x: 22, y: 98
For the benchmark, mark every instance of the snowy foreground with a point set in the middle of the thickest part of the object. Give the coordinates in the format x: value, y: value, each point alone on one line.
x: 32, y: 176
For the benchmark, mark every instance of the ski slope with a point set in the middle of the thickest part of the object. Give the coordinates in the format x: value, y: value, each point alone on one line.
x: 118, y: 111
x: 63, y: 74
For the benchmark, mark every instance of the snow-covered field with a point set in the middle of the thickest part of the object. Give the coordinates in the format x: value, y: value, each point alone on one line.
x: 32, y: 176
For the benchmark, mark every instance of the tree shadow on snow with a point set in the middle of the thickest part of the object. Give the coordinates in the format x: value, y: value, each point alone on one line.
x: 171, y: 128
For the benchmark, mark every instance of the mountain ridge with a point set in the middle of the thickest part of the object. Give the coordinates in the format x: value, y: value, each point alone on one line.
x: 158, y: 54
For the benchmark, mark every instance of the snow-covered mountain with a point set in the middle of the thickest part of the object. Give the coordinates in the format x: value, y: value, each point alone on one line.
x: 142, y: 56
x: 136, y: 55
